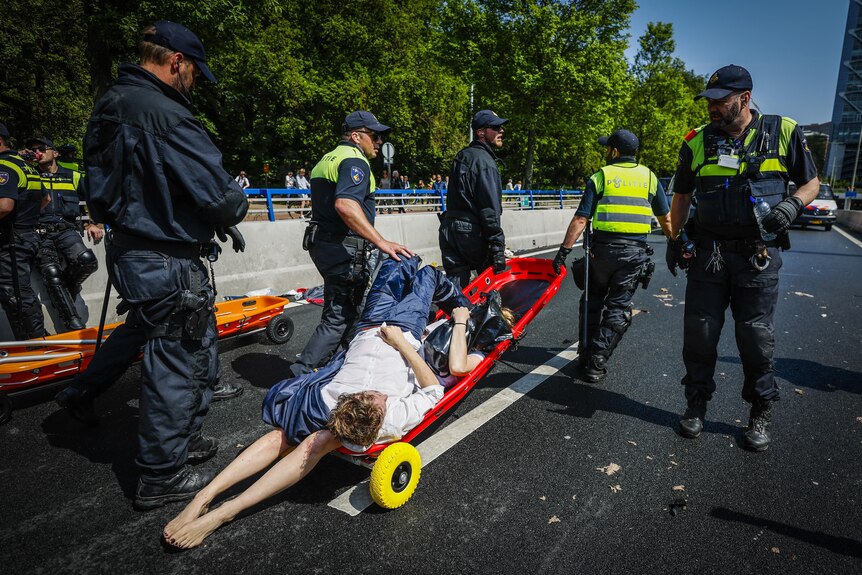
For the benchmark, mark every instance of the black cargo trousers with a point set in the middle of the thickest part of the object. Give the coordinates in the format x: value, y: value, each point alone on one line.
x: 346, y: 264
x: 614, y: 273
x: 170, y: 302
x: 752, y: 296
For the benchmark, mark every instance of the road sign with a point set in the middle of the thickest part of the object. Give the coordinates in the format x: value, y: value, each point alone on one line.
x: 388, y: 152
x: 849, y: 194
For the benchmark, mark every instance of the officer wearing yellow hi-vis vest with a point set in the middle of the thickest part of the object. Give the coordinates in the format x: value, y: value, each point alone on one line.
x: 63, y: 260
x: 341, y: 238
x: 21, y: 198
x: 621, y: 199
x: 739, y: 162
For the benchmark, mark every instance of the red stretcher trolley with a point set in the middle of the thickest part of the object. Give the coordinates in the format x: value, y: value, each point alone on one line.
x: 525, y: 287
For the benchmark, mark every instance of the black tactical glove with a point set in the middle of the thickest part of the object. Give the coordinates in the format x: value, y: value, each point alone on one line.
x: 781, y: 216
x: 498, y: 262
x: 237, y: 241
x: 560, y: 259
x: 673, y: 255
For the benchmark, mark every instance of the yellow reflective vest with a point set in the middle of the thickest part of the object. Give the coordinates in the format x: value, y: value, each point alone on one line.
x: 624, y: 190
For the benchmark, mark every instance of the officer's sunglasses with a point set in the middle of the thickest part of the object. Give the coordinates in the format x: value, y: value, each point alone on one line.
x: 42, y: 149
x: 373, y: 135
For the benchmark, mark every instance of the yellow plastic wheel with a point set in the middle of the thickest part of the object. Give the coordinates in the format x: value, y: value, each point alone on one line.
x: 395, y: 475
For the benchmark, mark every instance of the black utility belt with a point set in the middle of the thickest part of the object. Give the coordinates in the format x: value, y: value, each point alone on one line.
x: 620, y: 241
x: 173, y: 249
x: 740, y: 246
x: 54, y: 227
x: 462, y: 215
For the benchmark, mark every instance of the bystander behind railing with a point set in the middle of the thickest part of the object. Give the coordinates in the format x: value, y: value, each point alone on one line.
x: 282, y: 204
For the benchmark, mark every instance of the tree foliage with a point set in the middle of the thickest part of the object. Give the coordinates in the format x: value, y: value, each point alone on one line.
x: 289, y: 71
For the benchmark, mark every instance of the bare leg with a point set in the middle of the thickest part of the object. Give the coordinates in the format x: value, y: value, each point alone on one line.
x: 283, y: 474
x: 257, y: 457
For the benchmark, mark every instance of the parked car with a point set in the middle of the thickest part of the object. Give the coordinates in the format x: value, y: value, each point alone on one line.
x: 820, y: 212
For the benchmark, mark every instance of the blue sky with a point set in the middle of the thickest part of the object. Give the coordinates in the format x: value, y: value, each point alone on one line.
x: 791, y: 47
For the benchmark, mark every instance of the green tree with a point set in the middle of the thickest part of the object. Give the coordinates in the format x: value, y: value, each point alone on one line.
x: 661, y: 109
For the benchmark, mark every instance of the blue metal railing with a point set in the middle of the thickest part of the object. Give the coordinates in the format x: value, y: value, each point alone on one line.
x: 290, y: 201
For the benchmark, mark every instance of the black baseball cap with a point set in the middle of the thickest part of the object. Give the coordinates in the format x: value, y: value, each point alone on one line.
x: 363, y: 119
x: 178, y: 38
x: 485, y: 119
x: 623, y: 140
x: 4, y: 131
x: 43, y: 141
x: 725, y: 81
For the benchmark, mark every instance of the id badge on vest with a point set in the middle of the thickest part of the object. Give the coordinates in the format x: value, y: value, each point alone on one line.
x: 728, y: 161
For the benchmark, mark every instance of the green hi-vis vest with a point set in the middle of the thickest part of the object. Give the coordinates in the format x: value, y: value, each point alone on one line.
x: 724, y: 192
x: 327, y: 167
x: 624, y: 192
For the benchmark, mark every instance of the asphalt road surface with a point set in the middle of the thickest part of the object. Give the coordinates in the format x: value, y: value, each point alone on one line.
x: 551, y: 476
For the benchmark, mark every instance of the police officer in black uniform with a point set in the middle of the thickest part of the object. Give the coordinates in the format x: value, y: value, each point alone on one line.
x: 21, y: 198
x: 739, y: 159
x: 155, y: 177
x: 470, y: 236
x: 63, y: 260
x: 341, y: 238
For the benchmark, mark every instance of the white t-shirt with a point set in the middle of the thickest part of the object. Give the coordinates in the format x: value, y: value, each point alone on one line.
x: 373, y: 365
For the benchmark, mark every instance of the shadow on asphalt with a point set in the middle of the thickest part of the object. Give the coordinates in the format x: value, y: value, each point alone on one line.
x: 113, y: 441
x: 584, y: 400
x: 807, y: 373
x: 841, y: 545
x: 261, y: 370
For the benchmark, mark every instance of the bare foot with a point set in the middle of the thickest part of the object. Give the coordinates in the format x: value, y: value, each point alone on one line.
x: 191, y: 512
x: 193, y: 534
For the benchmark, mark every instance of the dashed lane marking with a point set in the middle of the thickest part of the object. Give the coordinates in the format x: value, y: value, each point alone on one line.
x: 358, y: 498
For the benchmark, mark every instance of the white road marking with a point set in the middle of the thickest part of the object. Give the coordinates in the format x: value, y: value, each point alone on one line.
x: 848, y: 236
x: 357, y: 498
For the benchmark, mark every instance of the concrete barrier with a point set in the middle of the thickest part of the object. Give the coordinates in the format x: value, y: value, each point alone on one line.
x: 274, y: 257
x: 850, y: 219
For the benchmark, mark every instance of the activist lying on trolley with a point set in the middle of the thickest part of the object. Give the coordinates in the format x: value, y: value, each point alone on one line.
x: 376, y: 391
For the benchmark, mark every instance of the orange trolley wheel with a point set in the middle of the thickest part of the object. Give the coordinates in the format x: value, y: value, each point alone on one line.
x: 279, y: 329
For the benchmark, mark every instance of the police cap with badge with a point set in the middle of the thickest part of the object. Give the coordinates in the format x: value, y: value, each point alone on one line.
x: 178, y: 38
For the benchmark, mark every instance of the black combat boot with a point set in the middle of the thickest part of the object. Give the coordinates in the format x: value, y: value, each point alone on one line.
x: 691, y: 423
x: 201, y: 448
x: 153, y: 492
x: 595, y: 370
x: 79, y: 403
x: 757, y: 436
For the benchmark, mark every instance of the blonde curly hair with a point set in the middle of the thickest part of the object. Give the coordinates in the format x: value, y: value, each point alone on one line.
x: 356, y: 419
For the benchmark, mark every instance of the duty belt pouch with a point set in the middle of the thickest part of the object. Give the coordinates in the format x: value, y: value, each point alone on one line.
x: 309, y: 236
x: 579, y: 272
x: 645, y: 277
x: 359, y: 271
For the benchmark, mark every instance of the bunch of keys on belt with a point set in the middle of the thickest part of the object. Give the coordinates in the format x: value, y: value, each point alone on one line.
x: 760, y: 259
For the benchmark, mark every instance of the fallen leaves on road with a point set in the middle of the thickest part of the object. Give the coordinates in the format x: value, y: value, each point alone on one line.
x: 859, y: 419
x: 798, y: 391
x: 609, y: 469
x: 553, y: 519
x: 663, y: 290
x: 542, y: 498
x: 616, y: 488
x: 802, y: 294
x: 776, y: 550
x: 679, y: 487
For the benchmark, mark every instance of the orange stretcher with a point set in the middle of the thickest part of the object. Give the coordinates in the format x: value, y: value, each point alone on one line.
x: 28, y: 365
